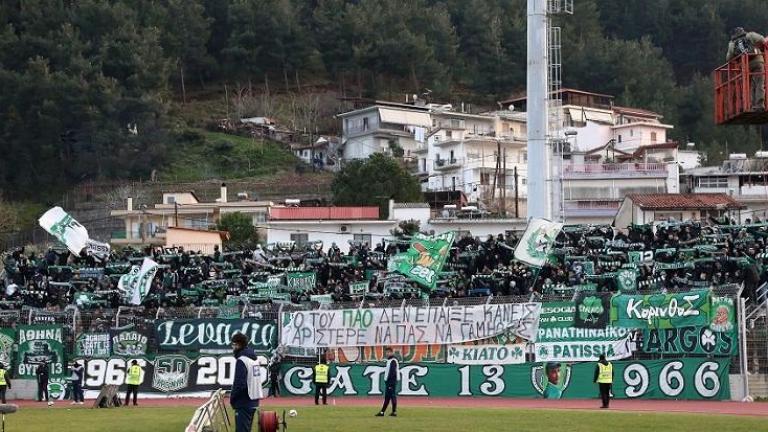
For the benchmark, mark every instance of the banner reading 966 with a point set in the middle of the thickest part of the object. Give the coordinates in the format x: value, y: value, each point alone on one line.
x: 656, y: 379
x: 408, y: 325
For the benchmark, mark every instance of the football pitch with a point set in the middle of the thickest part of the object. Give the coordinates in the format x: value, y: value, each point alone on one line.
x: 356, y: 419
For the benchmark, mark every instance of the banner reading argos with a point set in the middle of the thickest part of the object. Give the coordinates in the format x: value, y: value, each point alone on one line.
x: 408, y: 325
x: 657, y: 379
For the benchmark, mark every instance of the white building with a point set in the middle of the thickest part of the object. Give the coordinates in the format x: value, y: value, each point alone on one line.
x: 640, y: 209
x: 385, y: 127
x: 743, y: 179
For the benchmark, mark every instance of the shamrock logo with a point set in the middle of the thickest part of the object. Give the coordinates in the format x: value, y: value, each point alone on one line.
x: 518, y: 352
x: 708, y: 338
x: 591, y: 309
x: 543, y: 352
x: 453, y: 352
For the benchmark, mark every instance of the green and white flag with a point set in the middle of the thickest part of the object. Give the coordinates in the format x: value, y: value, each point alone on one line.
x: 535, y: 247
x: 40, y: 344
x: 301, y: 281
x: 661, y: 311
x: 136, y: 284
x: 626, y: 280
x: 424, y: 260
x: 7, y: 339
x: 65, y: 228
x: 723, y: 314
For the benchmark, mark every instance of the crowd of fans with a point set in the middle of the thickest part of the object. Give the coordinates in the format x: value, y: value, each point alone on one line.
x: 674, y: 256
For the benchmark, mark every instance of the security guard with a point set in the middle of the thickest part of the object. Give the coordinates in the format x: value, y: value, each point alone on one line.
x: 604, y: 379
x: 133, y: 380
x: 321, y: 380
x: 5, y: 383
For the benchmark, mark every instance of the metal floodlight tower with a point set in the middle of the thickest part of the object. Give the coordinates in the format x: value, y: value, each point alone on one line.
x: 544, y: 104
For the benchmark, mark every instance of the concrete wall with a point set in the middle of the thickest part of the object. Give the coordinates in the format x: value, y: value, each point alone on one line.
x: 330, y: 231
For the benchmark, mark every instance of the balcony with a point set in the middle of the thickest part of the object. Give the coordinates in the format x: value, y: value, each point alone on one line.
x: 421, y: 148
x: 591, y: 208
x: 446, y: 164
x: 624, y: 170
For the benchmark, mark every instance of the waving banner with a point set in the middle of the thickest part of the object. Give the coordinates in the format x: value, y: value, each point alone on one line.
x: 301, y: 281
x: 136, y: 284
x: 425, y: 258
x: 661, y: 310
x: 65, y: 228
x: 410, y: 325
x: 536, y: 244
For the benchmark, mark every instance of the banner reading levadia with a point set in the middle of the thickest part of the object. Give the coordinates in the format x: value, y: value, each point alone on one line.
x: 408, y: 325
x: 661, y: 310
x: 654, y: 379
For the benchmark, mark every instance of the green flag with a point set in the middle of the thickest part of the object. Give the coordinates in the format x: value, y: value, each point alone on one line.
x: 723, y: 314
x: 626, y: 280
x: 425, y: 258
x: 536, y: 244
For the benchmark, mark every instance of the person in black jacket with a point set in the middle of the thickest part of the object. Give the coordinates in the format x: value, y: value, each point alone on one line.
x: 391, y: 377
x: 42, y: 383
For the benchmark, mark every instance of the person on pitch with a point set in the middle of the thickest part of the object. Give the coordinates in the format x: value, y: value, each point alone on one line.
x: 320, y: 378
x: 42, y: 383
x: 5, y: 382
x: 246, y: 387
x: 391, y: 377
x: 133, y: 381
x: 76, y: 378
x: 604, y: 379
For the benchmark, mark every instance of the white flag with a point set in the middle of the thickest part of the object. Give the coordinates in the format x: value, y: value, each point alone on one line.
x: 65, y: 228
x: 136, y: 284
x: 536, y: 245
x: 98, y: 249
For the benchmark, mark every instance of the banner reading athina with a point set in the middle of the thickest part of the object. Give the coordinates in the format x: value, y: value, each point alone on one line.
x: 535, y: 246
x: 425, y: 258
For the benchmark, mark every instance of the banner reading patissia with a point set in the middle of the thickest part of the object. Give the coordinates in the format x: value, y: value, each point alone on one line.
x: 579, y: 344
x: 409, y: 325
x: 65, y: 228
x: 535, y: 246
x: 661, y: 310
x: 425, y: 258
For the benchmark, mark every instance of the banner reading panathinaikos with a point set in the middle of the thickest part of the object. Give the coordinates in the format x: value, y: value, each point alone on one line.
x: 654, y: 379
x: 661, y: 310
x: 425, y: 258
x: 40, y: 344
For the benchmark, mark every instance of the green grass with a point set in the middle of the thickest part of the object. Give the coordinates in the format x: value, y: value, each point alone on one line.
x: 200, y: 154
x: 354, y: 419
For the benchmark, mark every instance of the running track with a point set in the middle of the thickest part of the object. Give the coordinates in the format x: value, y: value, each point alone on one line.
x: 694, y: 407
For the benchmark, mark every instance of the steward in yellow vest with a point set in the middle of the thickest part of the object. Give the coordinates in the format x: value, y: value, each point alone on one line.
x: 133, y: 380
x: 604, y: 379
x: 321, y: 378
x: 5, y: 382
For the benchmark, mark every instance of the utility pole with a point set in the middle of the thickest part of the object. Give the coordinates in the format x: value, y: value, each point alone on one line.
x: 517, y: 209
x: 176, y: 214
x: 504, y: 186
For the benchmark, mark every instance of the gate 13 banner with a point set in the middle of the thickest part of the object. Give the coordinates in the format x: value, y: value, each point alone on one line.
x: 408, y: 325
x: 661, y: 310
x: 93, y: 345
x: 40, y: 344
x: 652, y: 379
x: 214, y: 334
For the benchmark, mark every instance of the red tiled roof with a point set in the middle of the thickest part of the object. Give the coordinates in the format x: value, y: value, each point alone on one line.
x: 684, y: 201
x: 323, y: 213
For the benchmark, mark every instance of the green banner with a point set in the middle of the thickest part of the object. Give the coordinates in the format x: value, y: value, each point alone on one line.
x: 93, y: 345
x: 556, y: 314
x: 358, y: 288
x: 723, y: 315
x: 7, y: 339
x: 661, y: 310
x: 40, y: 344
x: 690, y: 340
x: 425, y: 258
x: 592, y: 310
x: 128, y: 341
x: 655, y: 379
x: 322, y: 298
x: 301, y: 281
x: 640, y: 256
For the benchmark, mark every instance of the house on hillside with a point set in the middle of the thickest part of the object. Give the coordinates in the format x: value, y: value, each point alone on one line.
x: 641, y: 209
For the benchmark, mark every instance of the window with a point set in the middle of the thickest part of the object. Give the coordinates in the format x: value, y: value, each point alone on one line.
x: 260, y: 217
x: 619, y: 138
x: 452, y: 159
x: 365, y: 123
x: 362, y: 238
x: 653, y: 137
x: 712, y: 182
x: 448, y: 134
x: 631, y: 132
x: 485, y: 178
x: 453, y: 183
x: 523, y: 157
x: 456, y: 124
x: 170, y: 199
x: 524, y: 181
x: 300, y: 239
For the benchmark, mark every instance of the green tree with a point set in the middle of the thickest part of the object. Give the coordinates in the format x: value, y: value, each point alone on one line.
x: 374, y: 181
x: 240, y: 227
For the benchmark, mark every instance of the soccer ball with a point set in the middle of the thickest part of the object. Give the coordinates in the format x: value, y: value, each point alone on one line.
x: 293, y: 413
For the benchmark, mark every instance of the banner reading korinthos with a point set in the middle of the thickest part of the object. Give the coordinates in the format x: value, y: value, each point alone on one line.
x: 408, y: 325
x: 65, y: 228
x: 40, y: 344
x: 425, y: 258
x: 535, y: 246
x: 661, y: 310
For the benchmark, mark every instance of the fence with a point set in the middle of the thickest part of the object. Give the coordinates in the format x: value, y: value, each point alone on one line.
x: 751, y: 357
